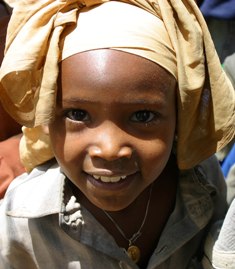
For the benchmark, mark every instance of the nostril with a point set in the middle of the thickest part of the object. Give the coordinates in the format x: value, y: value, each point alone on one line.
x: 125, y: 152
x: 110, y: 153
x: 94, y: 151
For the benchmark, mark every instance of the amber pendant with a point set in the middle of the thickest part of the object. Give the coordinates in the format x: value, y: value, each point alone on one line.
x: 134, y: 253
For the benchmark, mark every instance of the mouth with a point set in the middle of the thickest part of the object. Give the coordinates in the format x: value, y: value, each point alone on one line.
x: 109, y: 179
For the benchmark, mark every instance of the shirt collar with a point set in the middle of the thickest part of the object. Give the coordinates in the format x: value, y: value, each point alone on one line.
x: 43, y: 192
x: 38, y: 194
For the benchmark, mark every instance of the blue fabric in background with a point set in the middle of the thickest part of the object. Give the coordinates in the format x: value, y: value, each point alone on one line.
x: 229, y: 161
x: 219, y: 9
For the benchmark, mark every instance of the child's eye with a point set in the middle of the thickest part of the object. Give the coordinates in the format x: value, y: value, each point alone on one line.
x: 77, y: 115
x: 143, y: 116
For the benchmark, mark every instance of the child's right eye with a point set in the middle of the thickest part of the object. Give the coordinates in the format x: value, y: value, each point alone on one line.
x: 77, y: 115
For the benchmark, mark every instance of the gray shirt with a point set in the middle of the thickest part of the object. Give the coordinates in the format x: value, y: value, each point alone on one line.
x: 43, y: 226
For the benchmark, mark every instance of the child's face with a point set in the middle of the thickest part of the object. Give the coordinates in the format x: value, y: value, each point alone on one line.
x: 114, y: 124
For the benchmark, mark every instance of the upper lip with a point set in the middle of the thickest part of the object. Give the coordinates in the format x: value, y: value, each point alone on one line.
x: 106, y: 173
x: 109, y: 178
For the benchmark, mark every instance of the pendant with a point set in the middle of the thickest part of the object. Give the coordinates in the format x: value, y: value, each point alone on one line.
x: 134, y: 253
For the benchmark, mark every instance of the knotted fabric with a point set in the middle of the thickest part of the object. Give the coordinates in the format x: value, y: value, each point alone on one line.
x: 36, y: 39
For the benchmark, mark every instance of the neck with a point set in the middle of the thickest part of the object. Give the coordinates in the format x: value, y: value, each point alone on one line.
x: 130, y: 219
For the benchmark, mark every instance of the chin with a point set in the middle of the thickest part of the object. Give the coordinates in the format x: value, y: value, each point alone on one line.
x: 113, y: 206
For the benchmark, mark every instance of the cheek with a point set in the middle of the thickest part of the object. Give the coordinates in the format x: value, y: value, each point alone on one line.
x: 67, y: 147
x: 60, y: 143
x: 154, y: 162
x: 156, y: 153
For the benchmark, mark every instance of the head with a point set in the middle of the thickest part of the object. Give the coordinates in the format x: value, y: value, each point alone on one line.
x: 8, y: 126
x: 170, y: 36
x: 115, y: 114
x: 5, y: 13
x: 114, y: 124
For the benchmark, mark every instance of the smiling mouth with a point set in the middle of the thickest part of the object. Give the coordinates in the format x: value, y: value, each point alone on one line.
x: 109, y: 179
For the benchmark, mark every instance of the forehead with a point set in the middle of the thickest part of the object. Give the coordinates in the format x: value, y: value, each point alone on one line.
x: 102, y: 74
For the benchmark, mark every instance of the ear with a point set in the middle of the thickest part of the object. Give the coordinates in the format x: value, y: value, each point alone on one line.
x: 45, y: 129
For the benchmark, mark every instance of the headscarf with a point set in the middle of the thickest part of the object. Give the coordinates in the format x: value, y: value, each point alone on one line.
x: 28, y: 76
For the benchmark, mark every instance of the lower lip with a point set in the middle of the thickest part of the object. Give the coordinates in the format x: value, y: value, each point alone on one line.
x: 123, y: 183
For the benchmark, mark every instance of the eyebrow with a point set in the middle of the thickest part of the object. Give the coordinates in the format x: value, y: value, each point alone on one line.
x: 152, y: 101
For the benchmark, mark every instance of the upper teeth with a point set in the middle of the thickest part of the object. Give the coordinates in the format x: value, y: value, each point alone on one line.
x: 109, y: 179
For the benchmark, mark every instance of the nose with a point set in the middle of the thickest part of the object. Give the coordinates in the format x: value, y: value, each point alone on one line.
x: 110, y: 143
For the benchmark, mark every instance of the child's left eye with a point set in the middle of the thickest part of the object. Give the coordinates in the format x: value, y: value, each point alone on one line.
x: 143, y: 116
x: 77, y: 115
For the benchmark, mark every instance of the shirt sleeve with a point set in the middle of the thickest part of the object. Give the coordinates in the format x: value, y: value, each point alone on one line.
x: 224, y: 248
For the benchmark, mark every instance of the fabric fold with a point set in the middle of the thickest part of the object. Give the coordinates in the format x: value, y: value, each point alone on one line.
x: 206, y: 99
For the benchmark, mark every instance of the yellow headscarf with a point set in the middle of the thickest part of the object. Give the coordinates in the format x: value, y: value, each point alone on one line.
x: 39, y: 29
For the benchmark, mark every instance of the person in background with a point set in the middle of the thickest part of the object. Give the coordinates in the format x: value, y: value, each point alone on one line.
x: 224, y: 248
x: 10, y: 130
x: 220, y: 18
x: 229, y: 67
x: 130, y: 99
x: 226, y: 155
x: 228, y: 163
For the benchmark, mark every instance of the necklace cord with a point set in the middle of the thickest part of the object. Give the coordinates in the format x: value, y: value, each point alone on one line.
x: 136, y: 235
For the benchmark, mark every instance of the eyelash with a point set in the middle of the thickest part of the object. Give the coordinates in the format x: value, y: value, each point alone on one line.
x: 144, y: 116
x: 82, y: 114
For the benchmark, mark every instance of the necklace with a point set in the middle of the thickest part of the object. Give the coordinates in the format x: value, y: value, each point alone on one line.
x: 132, y: 250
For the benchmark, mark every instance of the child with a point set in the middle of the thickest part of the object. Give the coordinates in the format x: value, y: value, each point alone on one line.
x: 224, y: 248
x: 124, y: 98
x: 10, y: 165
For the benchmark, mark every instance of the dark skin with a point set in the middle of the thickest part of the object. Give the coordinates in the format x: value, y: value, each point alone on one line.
x: 10, y: 131
x: 8, y: 126
x: 112, y: 136
x: 130, y: 219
